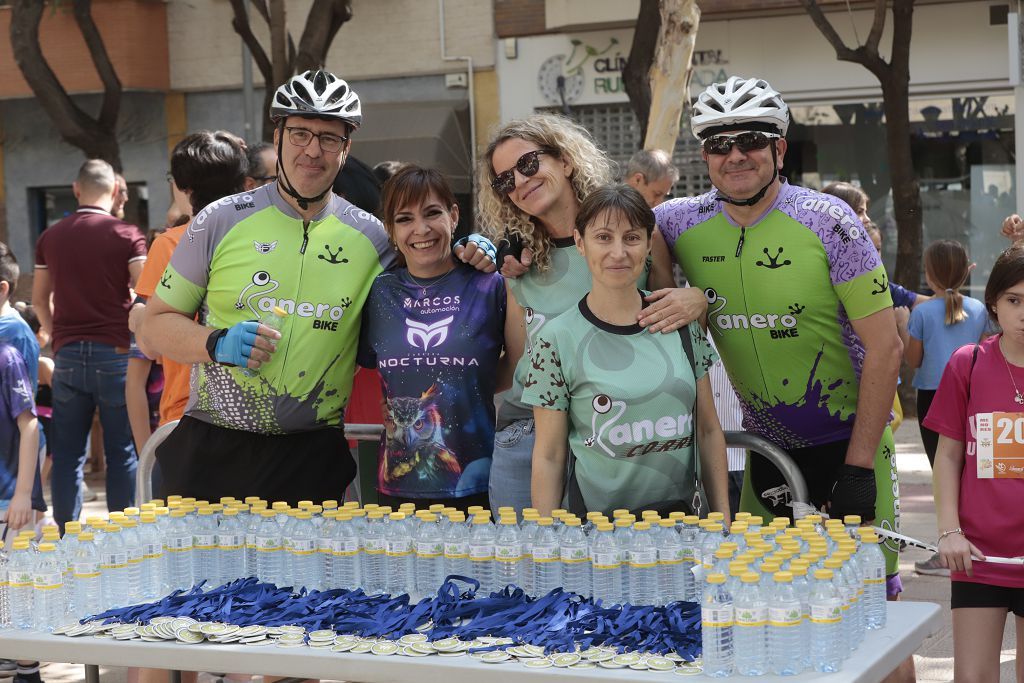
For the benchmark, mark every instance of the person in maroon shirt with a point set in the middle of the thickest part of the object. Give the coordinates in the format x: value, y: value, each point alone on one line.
x: 87, y: 263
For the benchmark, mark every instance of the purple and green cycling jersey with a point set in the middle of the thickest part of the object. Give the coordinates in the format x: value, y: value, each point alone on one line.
x: 781, y: 295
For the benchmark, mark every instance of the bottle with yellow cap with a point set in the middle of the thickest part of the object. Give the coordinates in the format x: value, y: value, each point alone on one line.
x: 302, y: 556
x: 688, y: 532
x: 344, y: 552
x: 575, y: 557
x: 114, y: 568
x: 429, y: 550
x: 826, y: 640
x: 717, y: 619
x: 276, y: 318
x: 623, y: 535
x: 456, y: 546
x: 400, y: 577
x: 204, y: 548
x: 873, y: 571
x: 153, y: 557
x: 670, y: 563
x: 547, y: 565
x: 251, y: 526
x: 270, y: 557
x: 372, y: 568
x: 133, y: 548
x: 508, y: 553
x: 606, y: 566
x: 481, y: 553
x: 86, y: 577
x: 230, y: 546
x: 47, y: 589
x: 751, y: 629
x: 643, y: 566
x: 785, y: 617
x: 528, y: 531
x: 20, y: 568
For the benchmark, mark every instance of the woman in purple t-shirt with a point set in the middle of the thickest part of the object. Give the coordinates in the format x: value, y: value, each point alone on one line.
x: 435, y: 331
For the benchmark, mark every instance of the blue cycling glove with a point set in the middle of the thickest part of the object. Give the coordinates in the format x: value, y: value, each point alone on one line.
x: 482, y: 243
x: 235, y: 346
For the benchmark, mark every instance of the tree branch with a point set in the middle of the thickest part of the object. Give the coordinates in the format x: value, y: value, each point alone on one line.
x: 860, y: 55
x: 877, y: 26
x: 240, y: 23
x: 636, y: 76
x: 902, y: 25
x: 261, y: 9
x: 325, y: 19
x: 101, y: 60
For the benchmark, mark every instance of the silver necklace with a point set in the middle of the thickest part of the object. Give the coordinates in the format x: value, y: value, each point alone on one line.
x: 425, y: 286
x: 1018, y: 397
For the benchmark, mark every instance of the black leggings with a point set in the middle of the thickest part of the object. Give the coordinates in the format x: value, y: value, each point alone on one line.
x: 930, y: 438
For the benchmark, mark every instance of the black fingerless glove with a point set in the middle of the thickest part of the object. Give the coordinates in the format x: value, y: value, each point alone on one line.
x: 853, y: 493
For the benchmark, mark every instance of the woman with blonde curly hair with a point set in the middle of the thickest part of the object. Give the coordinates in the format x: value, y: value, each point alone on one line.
x: 532, y: 179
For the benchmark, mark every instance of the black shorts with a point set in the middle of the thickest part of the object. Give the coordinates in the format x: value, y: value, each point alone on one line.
x: 969, y: 594
x: 819, y: 465
x: 207, y: 462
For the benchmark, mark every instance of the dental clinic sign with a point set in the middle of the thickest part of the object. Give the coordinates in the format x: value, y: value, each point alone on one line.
x: 588, y: 69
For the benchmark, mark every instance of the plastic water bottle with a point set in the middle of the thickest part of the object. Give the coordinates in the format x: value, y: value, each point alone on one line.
x: 623, y: 535
x: 153, y: 585
x: 751, y: 627
x: 575, y: 558
x: 5, y: 590
x: 133, y: 549
x: 716, y: 616
x: 826, y: 638
x: 269, y: 551
x: 230, y: 547
x: 456, y: 547
x: 671, y: 578
x: 114, y: 568
x: 274, y: 319
x: 302, y: 553
x: 847, y: 594
x: 345, y: 555
x: 325, y: 546
x: 373, y: 557
x: 85, y: 572
x: 873, y: 571
x: 20, y: 568
x: 481, y: 554
x: 528, y: 531
x: 802, y: 586
x: 643, y: 566
x: 178, y: 552
x: 547, y: 565
x: 785, y: 615
x: 204, y: 548
x: 399, y: 566
x: 851, y: 582
x: 429, y: 557
x: 47, y: 589
x: 687, y: 538
x: 508, y: 554
x: 606, y: 566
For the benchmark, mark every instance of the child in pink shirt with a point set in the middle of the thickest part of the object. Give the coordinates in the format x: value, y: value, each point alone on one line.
x: 978, y: 412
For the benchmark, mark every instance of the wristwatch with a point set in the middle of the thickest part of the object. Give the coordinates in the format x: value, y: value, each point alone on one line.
x: 211, y: 342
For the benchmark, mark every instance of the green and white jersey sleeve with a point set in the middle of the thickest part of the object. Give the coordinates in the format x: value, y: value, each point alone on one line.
x: 245, y: 254
x: 629, y: 395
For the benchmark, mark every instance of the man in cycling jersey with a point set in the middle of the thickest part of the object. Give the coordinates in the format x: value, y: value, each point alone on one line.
x: 265, y: 408
x: 799, y: 308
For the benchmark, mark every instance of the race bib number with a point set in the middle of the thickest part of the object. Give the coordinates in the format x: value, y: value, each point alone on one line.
x: 1000, y: 445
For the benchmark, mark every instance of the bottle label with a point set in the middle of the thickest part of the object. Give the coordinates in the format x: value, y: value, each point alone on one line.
x: 48, y: 581
x: 644, y: 558
x: 374, y: 546
x: 86, y: 570
x: 720, y: 617
x: 399, y: 547
x: 429, y: 549
x: 152, y: 551
x: 751, y: 616
x: 268, y: 544
x: 826, y: 613
x: 230, y: 542
x: 325, y: 545
x: 670, y: 556
x: 115, y: 561
x: 178, y: 544
x: 135, y: 555
x: 250, y: 541
x: 508, y: 553
x: 574, y: 554
x: 204, y: 541
x: 606, y: 560
x: 305, y: 546
x: 687, y: 554
x: 345, y: 547
x: 785, y: 615
x: 545, y: 554
x: 21, y: 579
x: 456, y: 551
x: 481, y: 553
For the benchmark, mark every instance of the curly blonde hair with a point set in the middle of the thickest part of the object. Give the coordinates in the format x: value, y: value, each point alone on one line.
x: 572, y: 142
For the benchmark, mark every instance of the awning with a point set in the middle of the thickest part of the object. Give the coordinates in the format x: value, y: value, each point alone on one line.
x: 431, y: 134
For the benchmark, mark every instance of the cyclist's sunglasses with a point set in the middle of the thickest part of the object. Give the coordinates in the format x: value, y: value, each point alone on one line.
x: 528, y: 165
x: 746, y: 142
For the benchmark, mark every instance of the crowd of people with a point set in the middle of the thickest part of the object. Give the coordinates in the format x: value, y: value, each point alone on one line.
x: 581, y: 376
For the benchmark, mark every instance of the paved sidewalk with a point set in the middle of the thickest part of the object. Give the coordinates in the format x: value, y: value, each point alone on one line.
x: 934, y: 660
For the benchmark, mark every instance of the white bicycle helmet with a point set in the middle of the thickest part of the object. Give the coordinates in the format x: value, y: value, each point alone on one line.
x: 318, y: 94
x: 739, y: 103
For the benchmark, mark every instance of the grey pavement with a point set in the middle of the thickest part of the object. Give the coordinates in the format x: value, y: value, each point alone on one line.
x: 934, y: 659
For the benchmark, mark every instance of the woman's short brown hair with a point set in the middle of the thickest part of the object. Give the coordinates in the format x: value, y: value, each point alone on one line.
x: 620, y: 198
x: 1007, y: 271
x: 412, y: 184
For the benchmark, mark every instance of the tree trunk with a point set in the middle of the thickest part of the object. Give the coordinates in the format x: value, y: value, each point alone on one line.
x: 670, y: 72
x: 95, y: 136
x: 278, y: 44
x: 637, y: 74
x: 325, y: 18
x: 906, y: 191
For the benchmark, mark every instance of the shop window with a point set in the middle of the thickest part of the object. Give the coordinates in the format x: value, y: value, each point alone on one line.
x: 47, y: 205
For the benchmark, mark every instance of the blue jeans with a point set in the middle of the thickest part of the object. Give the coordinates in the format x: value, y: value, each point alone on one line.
x: 88, y: 375
x: 509, y: 484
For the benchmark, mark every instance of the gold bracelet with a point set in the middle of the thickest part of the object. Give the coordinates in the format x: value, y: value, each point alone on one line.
x: 957, y: 530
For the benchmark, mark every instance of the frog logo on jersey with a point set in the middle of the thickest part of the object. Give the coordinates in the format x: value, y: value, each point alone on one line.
x: 263, y: 283
x: 534, y: 321
x: 332, y: 256
x: 603, y: 405
x: 773, y: 261
x: 883, y: 286
x: 425, y: 333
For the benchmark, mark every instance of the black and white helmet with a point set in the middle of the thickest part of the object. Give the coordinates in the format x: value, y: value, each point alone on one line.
x: 739, y: 102
x: 318, y: 94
